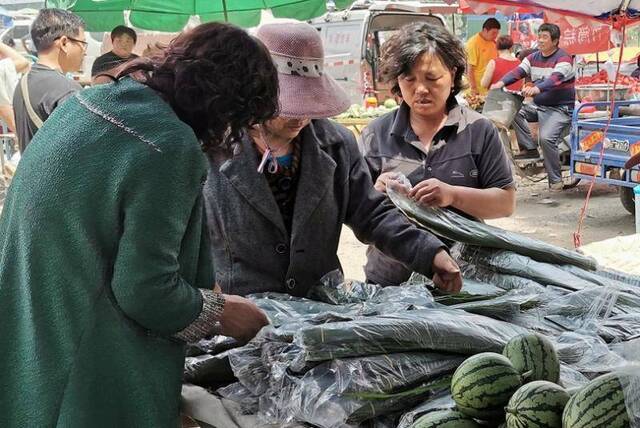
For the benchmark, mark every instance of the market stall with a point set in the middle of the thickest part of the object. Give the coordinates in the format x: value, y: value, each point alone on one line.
x: 541, y: 319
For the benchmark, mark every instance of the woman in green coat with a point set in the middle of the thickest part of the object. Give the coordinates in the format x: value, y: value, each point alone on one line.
x: 104, y: 266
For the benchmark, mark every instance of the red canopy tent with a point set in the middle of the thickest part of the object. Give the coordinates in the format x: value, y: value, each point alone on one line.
x: 581, y: 33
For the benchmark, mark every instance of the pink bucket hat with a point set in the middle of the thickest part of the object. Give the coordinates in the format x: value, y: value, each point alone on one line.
x: 306, y: 91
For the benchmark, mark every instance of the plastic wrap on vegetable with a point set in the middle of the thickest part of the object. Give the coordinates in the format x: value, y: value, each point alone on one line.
x: 571, y: 378
x: 334, y: 289
x: 248, y: 365
x: 629, y: 378
x: 443, y: 330
x: 507, y: 307
x: 455, y: 227
x: 509, y: 262
x: 211, y: 345
x: 352, y: 390
x: 613, y: 400
x: 587, y: 353
x: 613, y: 312
x: 440, y: 401
x: 241, y: 395
x: 283, y: 309
x: 500, y: 280
x: 620, y: 276
x: 208, y: 370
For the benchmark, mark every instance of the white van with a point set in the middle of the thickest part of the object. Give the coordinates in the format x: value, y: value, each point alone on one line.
x: 352, y: 40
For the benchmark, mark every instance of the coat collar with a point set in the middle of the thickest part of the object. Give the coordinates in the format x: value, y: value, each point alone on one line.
x: 241, y: 170
x: 316, y: 176
x: 317, y: 170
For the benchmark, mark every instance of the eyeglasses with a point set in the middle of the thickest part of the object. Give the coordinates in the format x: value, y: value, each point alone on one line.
x: 82, y: 42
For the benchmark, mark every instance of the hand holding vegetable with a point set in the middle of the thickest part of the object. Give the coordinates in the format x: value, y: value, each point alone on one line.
x: 384, y: 179
x: 433, y: 193
x: 447, y: 275
x: 241, y: 318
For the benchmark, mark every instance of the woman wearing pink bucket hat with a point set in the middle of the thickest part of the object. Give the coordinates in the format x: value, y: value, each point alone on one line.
x: 276, y: 207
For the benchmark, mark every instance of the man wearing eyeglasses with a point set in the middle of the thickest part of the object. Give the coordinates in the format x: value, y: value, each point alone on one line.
x: 60, y: 40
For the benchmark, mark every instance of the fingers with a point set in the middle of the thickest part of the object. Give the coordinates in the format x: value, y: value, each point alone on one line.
x: 385, y: 179
x: 447, y: 275
x: 448, y: 282
x: 380, y: 186
x: 425, y: 193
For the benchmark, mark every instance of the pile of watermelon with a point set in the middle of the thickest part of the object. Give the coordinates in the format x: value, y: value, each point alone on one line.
x: 520, y: 389
x: 602, y: 78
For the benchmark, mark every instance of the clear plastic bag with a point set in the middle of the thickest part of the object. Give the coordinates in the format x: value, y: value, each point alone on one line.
x: 352, y: 390
x: 242, y: 395
x: 587, y: 353
x: 334, y: 289
x: 208, y: 370
x: 629, y: 377
x: 211, y: 345
x: 509, y: 262
x: 455, y: 227
x: 441, y: 401
x: 445, y: 330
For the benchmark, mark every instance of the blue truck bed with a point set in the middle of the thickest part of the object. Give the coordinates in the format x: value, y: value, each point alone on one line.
x: 623, y: 140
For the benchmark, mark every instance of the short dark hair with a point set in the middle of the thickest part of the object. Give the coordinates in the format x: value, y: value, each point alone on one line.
x: 504, y: 42
x: 51, y: 24
x: 552, y: 29
x: 218, y: 80
x: 491, y: 24
x: 404, y: 48
x: 121, y: 30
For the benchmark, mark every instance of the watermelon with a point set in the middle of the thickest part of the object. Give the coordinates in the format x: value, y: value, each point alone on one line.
x: 483, y: 384
x: 538, y: 404
x: 600, y: 404
x: 534, y: 357
x: 445, y: 419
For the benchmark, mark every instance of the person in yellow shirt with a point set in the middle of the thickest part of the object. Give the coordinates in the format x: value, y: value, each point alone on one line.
x: 481, y: 49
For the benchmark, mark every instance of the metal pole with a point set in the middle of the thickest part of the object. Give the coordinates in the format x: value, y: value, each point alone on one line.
x: 224, y: 10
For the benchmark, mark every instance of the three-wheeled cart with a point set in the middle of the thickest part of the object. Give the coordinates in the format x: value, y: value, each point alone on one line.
x: 622, y: 141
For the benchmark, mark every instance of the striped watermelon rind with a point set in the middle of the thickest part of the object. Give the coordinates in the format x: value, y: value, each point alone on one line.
x: 534, y: 356
x: 538, y: 404
x: 483, y: 385
x: 600, y: 404
x: 445, y: 419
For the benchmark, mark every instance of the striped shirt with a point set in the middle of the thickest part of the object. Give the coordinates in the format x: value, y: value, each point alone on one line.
x: 553, y: 75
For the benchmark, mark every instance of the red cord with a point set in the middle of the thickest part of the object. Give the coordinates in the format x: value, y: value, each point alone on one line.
x: 577, y: 235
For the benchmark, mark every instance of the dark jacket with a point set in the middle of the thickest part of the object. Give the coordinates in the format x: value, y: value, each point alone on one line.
x: 252, y: 249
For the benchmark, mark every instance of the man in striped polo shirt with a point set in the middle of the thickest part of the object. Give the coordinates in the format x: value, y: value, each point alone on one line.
x: 551, y: 71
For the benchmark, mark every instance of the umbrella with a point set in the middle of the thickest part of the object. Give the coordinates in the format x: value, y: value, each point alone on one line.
x: 173, y: 15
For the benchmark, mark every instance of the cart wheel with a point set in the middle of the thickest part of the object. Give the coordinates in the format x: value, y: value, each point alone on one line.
x: 627, y: 199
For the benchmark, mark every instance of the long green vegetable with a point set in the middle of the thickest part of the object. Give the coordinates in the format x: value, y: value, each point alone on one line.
x: 453, y: 226
x: 443, y: 330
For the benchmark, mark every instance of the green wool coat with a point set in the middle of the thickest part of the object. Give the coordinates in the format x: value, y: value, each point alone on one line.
x: 102, y: 251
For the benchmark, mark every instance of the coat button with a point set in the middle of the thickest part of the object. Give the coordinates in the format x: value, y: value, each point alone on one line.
x: 281, y: 248
x: 291, y: 283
